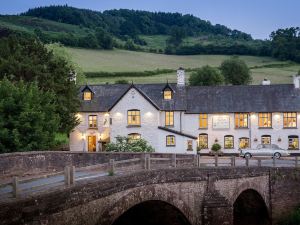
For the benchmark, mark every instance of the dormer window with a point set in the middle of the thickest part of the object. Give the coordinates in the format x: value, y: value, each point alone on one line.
x: 87, y: 95
x: 168, y: 94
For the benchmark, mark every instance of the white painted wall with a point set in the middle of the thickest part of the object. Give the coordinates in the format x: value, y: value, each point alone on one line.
x: 151, y: 118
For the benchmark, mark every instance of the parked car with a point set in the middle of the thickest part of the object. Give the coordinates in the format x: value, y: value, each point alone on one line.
x: 264, y: 150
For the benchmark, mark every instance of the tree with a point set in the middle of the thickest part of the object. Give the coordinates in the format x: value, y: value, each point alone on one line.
x: 235, y: 71
x: 177, y: 35
x: 28, y: 117
x: 125, y: 144
x: 29, y: 60
x: 206, y: 76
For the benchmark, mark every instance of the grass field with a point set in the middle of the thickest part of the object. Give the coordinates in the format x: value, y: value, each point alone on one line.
x: 121, y: 61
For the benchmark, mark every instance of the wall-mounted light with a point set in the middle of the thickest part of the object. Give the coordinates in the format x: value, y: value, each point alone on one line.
x: 106, y: 114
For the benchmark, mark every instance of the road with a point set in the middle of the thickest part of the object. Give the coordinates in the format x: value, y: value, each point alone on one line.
x: 34, y: 186
x: 37, y: 185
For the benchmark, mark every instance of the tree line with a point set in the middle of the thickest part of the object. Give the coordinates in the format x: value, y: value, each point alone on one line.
x: 133, y: 22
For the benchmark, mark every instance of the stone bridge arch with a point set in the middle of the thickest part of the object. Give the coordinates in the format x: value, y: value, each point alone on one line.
x: 231, y: 189
x: 128, y: 199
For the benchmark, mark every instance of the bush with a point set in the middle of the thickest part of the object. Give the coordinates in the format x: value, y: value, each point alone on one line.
x: 216, y: 147
x: 125, y: 144
x: 121, y: 82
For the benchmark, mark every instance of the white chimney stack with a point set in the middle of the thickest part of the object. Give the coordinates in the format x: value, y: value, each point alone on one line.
x: 180, y: 77
x: 296, y: 80
x: 266, y: 82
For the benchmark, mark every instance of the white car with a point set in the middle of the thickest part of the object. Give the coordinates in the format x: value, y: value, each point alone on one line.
x: 264, y: 150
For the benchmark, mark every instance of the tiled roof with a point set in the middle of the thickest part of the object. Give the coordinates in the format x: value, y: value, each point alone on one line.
x: 201, y: 99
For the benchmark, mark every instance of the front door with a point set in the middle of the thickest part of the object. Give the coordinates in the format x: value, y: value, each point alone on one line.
x: 92, y: 143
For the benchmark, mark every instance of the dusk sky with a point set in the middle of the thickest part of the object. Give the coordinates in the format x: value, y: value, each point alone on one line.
x: 256, y: 17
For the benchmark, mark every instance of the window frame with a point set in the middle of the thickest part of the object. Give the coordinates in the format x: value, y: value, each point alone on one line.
x: 164, y: 93
x: 228, y: 136
x: 290, y: 137
x: 84, y: 95
x: 203, y: 134
x: 94, y: 122
x: 189, y: 144
x: 167, y: 143
x: 266, y: 136
x: 130, y: 117
x: 238, y: 117
x: 262, y: 116
x: 169, y: 118
x: 246, y: 138
x: 203, y: 118
x: 287, y: 117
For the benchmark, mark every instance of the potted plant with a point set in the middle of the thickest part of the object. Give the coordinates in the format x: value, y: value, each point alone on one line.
x: 215, y: 149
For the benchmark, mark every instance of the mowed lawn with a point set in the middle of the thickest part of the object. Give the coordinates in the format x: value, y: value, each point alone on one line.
x: 127, y: 61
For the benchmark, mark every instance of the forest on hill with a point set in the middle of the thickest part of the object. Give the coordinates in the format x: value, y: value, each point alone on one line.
x: 157, y: 32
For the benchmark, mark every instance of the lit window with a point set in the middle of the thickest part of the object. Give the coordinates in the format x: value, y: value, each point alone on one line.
x: 169, y: 118
x: 203, y: 121
x: 170, y: 140
x: 241, y: 120
x: 290, y: 120
x: 189, y: 145
x: 244, y: 143
x: 87, y: 96
x: 266, y: 139
x: 203, y: 141
x: 294, y: 142
x: 133, y: 137
x: 167, y: 94
x: 92, y: 121
x: 265, y: 120
x: 228, y: 142
x: 134, y: 117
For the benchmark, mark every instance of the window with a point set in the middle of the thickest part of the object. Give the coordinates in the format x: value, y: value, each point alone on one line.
x: 241, y: 120
x: 189, y: 145
x: 244, y: 143
x: 265, y: 120
x: 203, y: 141
x: 87, y: 95
x: 169, y: 118
x: 203, y: 121
x: 293, y: 142
x: 228, y: 142
x: 290, y: 120
x: 266, y: 139
x: 168, y: 94
x: 93, y: 121
x: 170, y: 140
x: 133, y: 137
x: 134, y: 117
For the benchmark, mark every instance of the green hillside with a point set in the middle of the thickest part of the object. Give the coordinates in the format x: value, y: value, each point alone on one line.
x: 129, y: 61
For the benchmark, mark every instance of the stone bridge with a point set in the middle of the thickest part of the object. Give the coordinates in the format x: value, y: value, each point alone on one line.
x: 173, y: 196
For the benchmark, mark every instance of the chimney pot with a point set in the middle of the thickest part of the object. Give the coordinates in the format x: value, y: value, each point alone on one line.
x: 296, y: 81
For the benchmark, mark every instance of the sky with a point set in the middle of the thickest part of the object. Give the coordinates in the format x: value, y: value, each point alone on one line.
x: 256, y: 17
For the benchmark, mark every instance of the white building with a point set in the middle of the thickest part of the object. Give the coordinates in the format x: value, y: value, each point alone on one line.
x: 178, y: 118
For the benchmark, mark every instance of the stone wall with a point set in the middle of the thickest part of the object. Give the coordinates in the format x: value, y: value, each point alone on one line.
x: 285, y: 192
x: 30, y: 163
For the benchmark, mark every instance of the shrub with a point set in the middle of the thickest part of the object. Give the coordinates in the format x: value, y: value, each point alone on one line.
x: 216, y: 147
x: 292, y: 219
x: 125, y: 144
x: 121, y: 82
